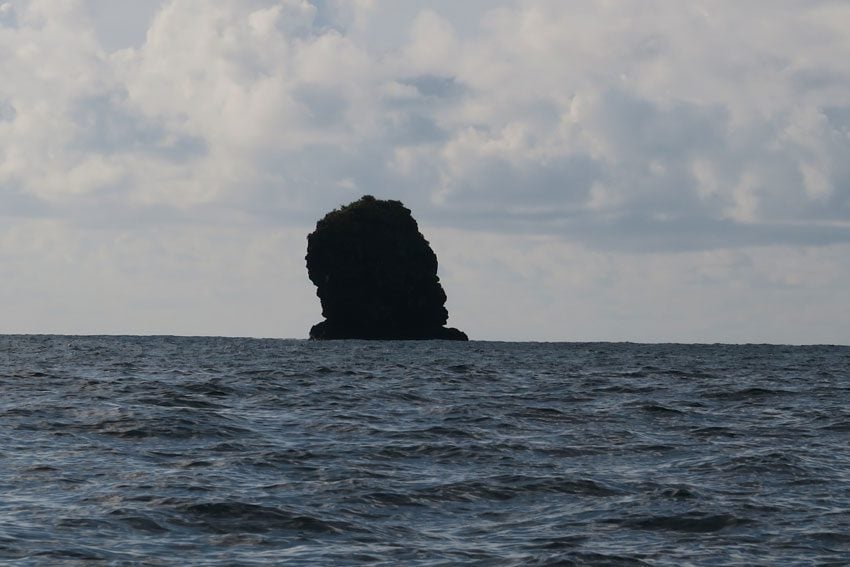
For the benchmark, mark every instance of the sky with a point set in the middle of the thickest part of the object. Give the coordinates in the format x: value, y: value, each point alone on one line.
x: 612, y: 170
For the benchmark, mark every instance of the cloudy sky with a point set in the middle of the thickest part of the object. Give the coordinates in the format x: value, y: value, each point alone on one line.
x: 643, y: 170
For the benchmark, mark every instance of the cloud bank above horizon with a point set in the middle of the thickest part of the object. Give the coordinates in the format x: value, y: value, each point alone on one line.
x: 634, y: 170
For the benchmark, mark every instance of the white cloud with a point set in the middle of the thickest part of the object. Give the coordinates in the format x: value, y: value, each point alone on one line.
x: 671, y: 112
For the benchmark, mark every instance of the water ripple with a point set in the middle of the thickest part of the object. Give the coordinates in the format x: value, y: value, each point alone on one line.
x: 127, y: 450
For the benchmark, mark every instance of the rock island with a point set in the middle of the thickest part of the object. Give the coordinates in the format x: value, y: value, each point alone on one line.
x: 376, y: 275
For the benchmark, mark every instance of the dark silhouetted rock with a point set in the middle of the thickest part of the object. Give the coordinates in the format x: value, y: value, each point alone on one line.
x: 376, y: 275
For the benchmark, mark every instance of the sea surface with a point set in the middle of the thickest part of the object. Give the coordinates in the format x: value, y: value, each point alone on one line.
x: 224, y: 451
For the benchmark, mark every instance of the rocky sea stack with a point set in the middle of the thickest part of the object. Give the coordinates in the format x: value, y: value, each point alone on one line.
x: 376, y: 275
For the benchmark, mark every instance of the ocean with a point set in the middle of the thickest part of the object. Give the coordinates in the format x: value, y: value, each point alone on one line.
x: 227, y: 451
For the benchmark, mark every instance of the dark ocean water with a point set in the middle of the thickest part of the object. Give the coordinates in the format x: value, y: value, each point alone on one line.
x: 207, y: 451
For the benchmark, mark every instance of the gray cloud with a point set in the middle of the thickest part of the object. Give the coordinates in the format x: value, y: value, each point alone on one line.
x: 15, y: 202
x: 105, y: 125
x: 325, y: 106
x: 7, y: 111
x: 8, y: 17
x: 121, y: 24
x: 435, y: 86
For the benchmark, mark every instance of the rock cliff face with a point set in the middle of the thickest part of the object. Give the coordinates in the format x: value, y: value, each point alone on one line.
x: 376, y: 275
